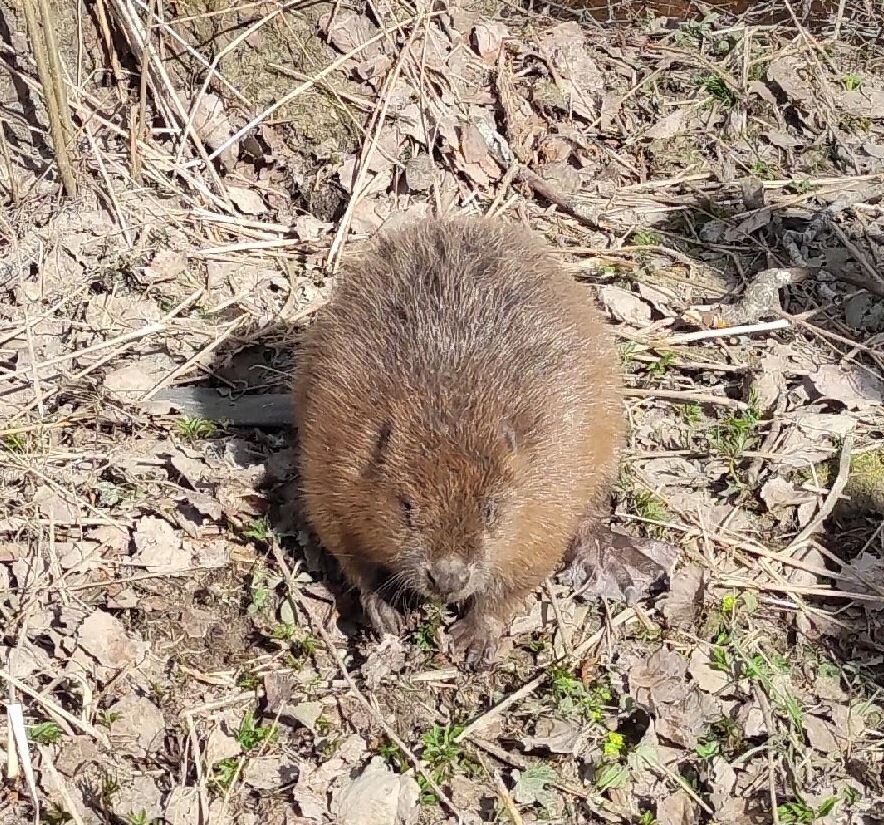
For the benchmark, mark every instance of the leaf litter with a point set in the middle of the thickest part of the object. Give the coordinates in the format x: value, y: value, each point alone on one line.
x: 180, y: 646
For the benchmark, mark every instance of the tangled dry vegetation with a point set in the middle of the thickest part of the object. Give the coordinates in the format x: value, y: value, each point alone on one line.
x: 176, y: 650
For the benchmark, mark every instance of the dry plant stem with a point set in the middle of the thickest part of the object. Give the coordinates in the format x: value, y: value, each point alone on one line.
x: 744, y: 329
x: 59, y: 88
x: 831, y: 500
x: 549, y: 193
x: 419, y: 766
x: 61, y: 786
x: 506, y: 798
x: 369, y: 148
x: 624, y: 617
x: 54, y: 709
x: 56, y: 124
x: 687, y: 396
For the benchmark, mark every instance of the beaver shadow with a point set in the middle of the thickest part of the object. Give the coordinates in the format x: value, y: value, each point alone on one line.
x: 249, y: 394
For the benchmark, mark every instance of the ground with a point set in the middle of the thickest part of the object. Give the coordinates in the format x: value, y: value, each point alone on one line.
x: 175, y: 646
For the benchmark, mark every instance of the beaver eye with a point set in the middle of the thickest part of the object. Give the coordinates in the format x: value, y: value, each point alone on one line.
x: 489, y: 512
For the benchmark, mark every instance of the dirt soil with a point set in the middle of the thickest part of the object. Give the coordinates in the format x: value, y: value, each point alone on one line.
x: 175, y: 647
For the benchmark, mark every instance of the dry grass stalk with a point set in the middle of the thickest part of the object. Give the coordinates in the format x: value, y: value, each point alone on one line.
x: 50, y: 79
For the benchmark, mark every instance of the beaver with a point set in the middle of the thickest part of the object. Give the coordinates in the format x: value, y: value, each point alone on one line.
x: 459, y: 411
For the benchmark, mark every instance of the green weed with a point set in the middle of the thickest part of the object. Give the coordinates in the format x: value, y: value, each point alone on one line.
x: 259, y: 529
x: 800, y: 813
x: 225, y: 771
x: 735, y: 434
x: 646, y: 237
x: 692, y: 414
x: 426, y: 634
x: 662, y: 365
x: 852, y: 82
x: 716, y: 87
x: 251, y: 735
x: 762, y: 170
x: 444, y: 756
x: 573, y: 698
x: 194, y: 429
x: 45, y: 733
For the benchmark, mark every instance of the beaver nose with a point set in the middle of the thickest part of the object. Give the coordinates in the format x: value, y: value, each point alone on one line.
x: 448, y: 575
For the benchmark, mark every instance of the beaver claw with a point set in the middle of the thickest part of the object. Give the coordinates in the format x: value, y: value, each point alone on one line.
x: 384, y: 618
x: 477, y: 639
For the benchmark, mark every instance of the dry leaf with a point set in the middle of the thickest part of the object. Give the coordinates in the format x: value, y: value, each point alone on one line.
x: 864, y: 102
x: 556, y: 736
x: 819, y: 734
x: 346, y: 30
x: 487, y: 39
x: 853, y: 386
x: 659, y: 680
x: 183, y: 807
x: 625, y: 306
x: 379, y: 797
x: 158, y: 547
x: 616, y: 566
x: 212, y: 127
x: 267, y: 773
x: 778, y: 493
x: 576, y: 73
x: 104, y: 637
x: 786, y: 73
x: 248, y: 201
x: 668, y: 126
x: 137, y: 725
x: 684, y: 600
x: 708, y: 679
x: 52, y: 505
x: 677, y: 809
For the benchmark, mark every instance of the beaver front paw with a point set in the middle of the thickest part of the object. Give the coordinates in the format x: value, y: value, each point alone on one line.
x: 384, y: 618
x: 477, y: 638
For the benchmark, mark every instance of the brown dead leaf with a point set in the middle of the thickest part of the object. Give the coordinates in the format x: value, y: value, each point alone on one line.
x: 248, y: 201
x: 212, y: 127
x: 104, y: 637
x: 346, y: 30
x: 708, y: 679
x: 387, y: 658
x: 865, y: 102
x: 778, y: 493
x: 131, y: 382
x: 659, y: 680
x: 576, y: 74
x: 158, y: 547
x: 556, y: 736
x: 52, y: 505
x: 183, y: 806
x: 820, y: 735
x: 166, y: 265
x: 850, y: 385
x: 625, y: 306
x: 379, y: 797
x: 616, y: 566
x: 668, y: 126
x: 137, y: 725
x: 487, y: 39
x: 787, y: 73
x: 683, y: 602
x: 678, y: 809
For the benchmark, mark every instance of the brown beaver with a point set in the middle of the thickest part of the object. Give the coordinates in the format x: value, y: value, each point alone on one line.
x: 459, y: 411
